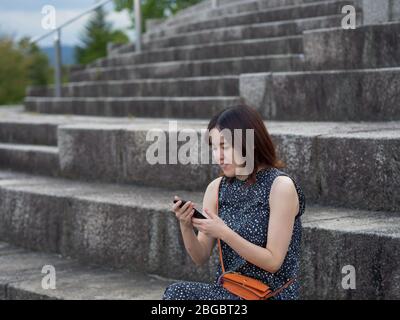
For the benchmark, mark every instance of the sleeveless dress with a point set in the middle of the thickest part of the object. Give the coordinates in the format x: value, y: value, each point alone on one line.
x: 245, y: 209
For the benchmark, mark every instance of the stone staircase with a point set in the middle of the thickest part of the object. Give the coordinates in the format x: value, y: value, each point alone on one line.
x: 77, y: 192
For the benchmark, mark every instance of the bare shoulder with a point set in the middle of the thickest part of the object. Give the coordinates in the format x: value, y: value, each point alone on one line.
x: 283, y: 187
x: 283, y: 184
x: 283, y: 195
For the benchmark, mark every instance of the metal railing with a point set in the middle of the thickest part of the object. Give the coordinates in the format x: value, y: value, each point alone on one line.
x: 57, y: 39
x: 214, y: 3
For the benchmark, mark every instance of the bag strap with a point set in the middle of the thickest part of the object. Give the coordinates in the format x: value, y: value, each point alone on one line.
x: 272, y: 294
x: 219, y: 242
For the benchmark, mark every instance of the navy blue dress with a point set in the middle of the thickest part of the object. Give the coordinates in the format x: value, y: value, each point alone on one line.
x: 245, y: 209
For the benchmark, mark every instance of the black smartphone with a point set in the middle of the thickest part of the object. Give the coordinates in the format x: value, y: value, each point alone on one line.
x: 197, y: 214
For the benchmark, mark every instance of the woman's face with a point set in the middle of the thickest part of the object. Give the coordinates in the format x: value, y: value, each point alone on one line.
x: 224, y: 153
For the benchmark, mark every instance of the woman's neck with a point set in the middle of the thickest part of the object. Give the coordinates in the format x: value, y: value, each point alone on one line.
x: 243, y: 178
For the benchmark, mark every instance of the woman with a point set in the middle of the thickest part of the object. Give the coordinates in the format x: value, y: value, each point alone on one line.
x: 258, y: 218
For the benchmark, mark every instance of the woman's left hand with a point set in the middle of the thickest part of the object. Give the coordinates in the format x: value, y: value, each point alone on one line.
x: 214, y: 226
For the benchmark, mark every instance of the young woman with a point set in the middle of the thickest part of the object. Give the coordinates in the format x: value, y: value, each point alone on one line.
x: 258, y: 219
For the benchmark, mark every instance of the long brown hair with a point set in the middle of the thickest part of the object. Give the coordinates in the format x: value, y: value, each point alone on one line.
x: 245, y: 117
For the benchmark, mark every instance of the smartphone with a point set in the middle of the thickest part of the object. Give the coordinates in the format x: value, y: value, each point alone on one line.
x: 197, y: 214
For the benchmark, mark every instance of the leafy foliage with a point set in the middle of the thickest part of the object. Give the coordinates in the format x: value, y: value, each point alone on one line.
x: 22, y: 64
x: 154, y: 9
x: 98, y: 32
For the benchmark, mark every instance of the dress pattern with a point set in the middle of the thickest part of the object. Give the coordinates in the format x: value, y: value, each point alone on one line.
x: 245, y: 209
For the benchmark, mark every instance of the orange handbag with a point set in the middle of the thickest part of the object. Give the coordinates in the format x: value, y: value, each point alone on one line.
x: 244, y: 286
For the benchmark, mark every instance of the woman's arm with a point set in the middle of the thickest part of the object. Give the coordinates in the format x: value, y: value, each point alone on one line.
x: 284, y: 205
x: 193, y: 245
x: 200, y: 247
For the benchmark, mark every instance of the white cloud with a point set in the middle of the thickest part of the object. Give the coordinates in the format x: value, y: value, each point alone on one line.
x: 20, y: 23
x: 120, y: 20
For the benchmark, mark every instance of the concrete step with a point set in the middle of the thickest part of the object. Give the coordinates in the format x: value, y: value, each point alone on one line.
x: 21, y: 279
x: 196, y: 68
x: 324, y: 156
x: 316, y: 9
x: 34, y: 132
x: 199, y: 7
x: 336, y: 241
x: 241, y: 32
x: 233, y: 7
x: 32, y: 128
x: 161, y: 107
x: 255, y: 30
x: 204, y: 9
x: 374, y: 46
x: 286, y: 15
x: 30, y: 158
x: 251, y: 31
x: 113, y: 237
x: 337, y: 95
x: 230, y: 49
x: 130, y: 228
x: 308, y: 148
x: 354, y: 95
x: 193, y: 86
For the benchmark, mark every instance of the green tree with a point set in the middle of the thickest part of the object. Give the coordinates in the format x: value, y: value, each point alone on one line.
x: 153, y: 9
x: 98, y: 32
x: 37, y: 63
x: 22, y: 64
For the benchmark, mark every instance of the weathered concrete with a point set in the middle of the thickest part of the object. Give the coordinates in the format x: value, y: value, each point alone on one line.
x: 380, y: 11
x: 274, y: 14
x: 30, y: 158
x: 252, y: 31
x: 306, y: 147
x: 161, y: 107
x: 365, y: 240
x: 21, y: 278
x: 356, y: 95
x: 209, y: 50
x: 325, y: 8
x: 130, y: 228
x: 200, y: 86
x: 18, y: 126
x: 17, y: 264
x: 198, y: 68
x: 28, y: 132
x: 232, y: 7
x: 376, y: 46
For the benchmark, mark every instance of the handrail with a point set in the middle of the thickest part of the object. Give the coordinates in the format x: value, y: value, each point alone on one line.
x: 214, y: 4
x: 57, y: 39
x: 92, y: 8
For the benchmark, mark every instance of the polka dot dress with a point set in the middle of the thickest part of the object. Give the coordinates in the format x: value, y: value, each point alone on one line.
x: 245, y: 209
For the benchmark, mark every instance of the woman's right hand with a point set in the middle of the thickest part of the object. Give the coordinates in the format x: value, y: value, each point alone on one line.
x: 184, y: 214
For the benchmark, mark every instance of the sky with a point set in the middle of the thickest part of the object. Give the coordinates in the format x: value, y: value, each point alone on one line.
x: 24, y: 18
